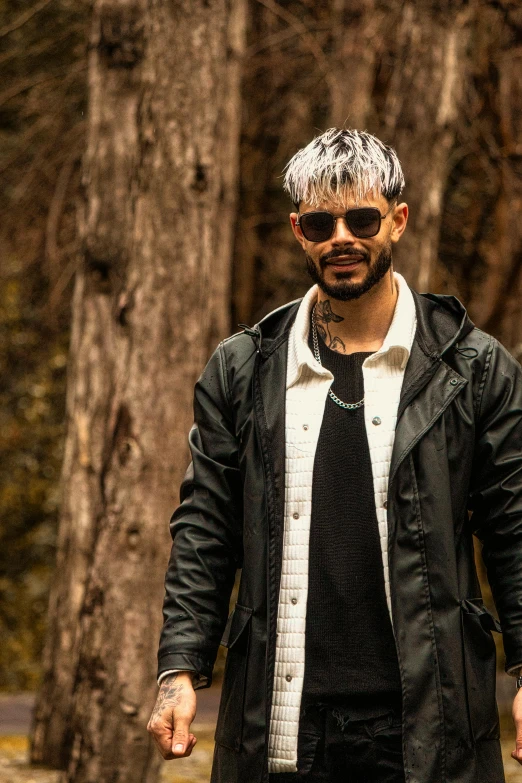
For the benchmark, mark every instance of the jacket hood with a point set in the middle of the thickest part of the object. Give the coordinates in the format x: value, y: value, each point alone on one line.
x: 441, y: 322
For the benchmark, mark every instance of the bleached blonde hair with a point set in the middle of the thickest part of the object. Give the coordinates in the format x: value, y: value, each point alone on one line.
x: 340, y: 161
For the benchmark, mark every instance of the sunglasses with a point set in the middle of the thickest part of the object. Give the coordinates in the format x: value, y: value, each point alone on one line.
x: 319, y: 226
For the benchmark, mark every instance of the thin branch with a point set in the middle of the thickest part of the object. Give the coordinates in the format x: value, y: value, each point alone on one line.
x: 66, y: 274
x: 25, y: 141
x: 23, y: 86
x: 40, y: 47
x: 32, y: 171
x: 28, y: 84
x: 23, y: 18
x: 279, y: 37
x: 303, y: 31
x: 54, y: 216
x: 35, y: 168
x: 270, y: 40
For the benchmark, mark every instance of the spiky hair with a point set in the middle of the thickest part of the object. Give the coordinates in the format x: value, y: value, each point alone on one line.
x: 341, y: 160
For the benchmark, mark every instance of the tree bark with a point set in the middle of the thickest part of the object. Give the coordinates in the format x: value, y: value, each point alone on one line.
x: 277, y: 118
x: 504, y: 318
x: 311, y: 66
x: 356, y: 41
x: 397, y: 70
x: 150, y: 301
x: 420, y: 119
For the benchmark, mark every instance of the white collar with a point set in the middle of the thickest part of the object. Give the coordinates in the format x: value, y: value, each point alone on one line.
x: 398, y: 338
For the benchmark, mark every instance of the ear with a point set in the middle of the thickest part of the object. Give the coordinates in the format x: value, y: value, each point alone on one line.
x: 399, y: 217
x: 297, y: 229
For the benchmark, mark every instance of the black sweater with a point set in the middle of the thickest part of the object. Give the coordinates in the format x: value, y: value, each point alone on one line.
x: 349, y: 646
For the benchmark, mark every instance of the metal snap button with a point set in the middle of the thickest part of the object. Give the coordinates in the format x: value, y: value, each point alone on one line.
x: 385, y: 504
x: 295, y: 515
x: 305, y: 426
x: 294, y: 601
x: 454, y: 381
x: 376, y: 420
x: 288, y: 678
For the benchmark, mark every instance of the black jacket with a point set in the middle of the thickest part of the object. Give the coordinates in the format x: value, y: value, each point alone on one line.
x: 457, y: 448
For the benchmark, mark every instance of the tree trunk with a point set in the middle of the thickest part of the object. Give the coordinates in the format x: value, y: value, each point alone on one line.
x: 356, y: 39
x: 151, y: 299
x: 505, y: 309
x: 398, y: 70
x: 420, y: 118
x: 310, y: 67
x: 277, y: 118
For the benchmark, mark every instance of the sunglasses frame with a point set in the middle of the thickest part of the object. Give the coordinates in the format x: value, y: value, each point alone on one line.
x: 336, y: 218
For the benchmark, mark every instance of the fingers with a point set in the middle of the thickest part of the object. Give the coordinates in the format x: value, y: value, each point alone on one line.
x: 171, y: 734
x: 166, y: 749
x: 181, y: 737
x: 162, y: 734
x: 174, y: 711
x: 188, y: 750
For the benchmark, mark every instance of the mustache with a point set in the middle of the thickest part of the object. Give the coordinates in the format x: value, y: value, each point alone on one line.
x: 348, y: 252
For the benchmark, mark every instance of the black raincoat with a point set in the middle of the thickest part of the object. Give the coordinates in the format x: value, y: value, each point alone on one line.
x: 457, y: 449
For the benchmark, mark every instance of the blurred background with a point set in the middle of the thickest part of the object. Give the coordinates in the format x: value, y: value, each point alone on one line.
x: 141, y: 219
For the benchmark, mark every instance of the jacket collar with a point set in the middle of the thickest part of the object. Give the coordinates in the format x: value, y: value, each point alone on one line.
x: 396, y: 344
x: 441, y: 322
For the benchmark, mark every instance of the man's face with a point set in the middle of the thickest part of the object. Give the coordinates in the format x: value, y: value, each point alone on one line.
x: 345, y: 266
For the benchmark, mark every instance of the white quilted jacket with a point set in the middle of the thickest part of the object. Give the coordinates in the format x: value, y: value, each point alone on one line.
x: 307, y: 388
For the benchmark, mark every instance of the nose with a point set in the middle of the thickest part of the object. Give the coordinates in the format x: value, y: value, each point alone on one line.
x: 342, y: 234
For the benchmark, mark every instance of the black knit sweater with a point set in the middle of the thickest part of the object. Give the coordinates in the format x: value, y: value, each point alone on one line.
x: 349, y: 645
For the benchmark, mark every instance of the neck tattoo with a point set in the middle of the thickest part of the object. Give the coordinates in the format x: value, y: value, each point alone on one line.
x: 350, y: 406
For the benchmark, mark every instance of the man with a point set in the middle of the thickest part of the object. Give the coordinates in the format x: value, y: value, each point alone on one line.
x: 337, y: 450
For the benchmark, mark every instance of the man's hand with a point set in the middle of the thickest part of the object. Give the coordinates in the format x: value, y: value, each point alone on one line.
x: 517, y: 717
x: 174, y: 711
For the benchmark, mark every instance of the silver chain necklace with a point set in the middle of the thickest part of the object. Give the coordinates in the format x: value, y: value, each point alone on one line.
x: 349, y: 406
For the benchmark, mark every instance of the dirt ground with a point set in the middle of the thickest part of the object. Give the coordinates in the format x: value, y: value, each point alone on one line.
x: 195, y: 769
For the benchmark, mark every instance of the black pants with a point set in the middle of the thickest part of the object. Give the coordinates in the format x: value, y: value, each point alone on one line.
x: 335, y: 746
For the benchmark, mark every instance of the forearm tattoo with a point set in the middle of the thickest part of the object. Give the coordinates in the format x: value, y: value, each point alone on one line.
x: 169, y: 695
x: 324, y: 315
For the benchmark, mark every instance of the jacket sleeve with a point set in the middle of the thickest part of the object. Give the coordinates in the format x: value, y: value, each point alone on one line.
x: 206, y: 530
x: 496, y: 491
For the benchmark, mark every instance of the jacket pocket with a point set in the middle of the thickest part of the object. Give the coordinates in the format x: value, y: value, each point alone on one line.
x: 229, y: 726
x: 480, y: 663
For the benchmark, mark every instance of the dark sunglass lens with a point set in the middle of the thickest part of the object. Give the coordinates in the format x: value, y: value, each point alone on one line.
x: 317, y: 226
x: 364, y: 222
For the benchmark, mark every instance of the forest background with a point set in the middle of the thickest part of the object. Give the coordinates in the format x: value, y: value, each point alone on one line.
x: 143, y: 218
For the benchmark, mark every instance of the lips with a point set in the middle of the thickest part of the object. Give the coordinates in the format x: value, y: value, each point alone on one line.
x: 345, y: 260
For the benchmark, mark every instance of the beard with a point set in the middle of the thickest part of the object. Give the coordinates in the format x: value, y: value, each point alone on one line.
x: 343, y: 289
